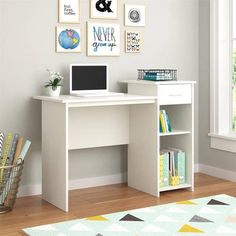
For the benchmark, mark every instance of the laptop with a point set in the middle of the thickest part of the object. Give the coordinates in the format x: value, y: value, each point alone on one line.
x: 90, y: 80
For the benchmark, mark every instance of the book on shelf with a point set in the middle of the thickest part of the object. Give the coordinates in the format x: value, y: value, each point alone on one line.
x: 165, y: 124
x: 164, y: 169
x: 173, y: 160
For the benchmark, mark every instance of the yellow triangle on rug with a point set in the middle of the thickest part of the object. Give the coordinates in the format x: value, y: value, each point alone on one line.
x: 189, y: 229
x: 186, y: 203
x: 97, y: 218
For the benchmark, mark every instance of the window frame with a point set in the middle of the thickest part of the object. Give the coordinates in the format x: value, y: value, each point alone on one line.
x: 221, y: 46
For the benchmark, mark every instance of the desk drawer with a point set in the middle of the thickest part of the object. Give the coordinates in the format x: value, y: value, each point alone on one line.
x: 175, y: 94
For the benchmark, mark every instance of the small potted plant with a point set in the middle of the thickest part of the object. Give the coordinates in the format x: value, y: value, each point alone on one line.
x: 54, y: 84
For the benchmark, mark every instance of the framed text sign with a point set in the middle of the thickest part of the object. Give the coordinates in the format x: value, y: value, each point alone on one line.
x: 104, y: 9
x: 103, y: 39
x: 69, y: 11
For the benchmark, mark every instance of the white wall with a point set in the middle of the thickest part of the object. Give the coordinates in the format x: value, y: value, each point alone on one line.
x: 27, y: 49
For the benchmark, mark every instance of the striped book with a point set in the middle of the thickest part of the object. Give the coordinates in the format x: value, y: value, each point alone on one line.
x: 1, y: 143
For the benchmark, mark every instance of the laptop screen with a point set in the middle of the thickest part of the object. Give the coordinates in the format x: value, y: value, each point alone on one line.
x: 88, y: 77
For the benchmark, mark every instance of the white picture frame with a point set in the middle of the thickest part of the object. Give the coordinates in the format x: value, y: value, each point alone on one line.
x: 68, y: 39
x: 103, y: 39
x: 69, y: 11
x: 133, y: 41
x: 108, y: 9
x: 135, y: 15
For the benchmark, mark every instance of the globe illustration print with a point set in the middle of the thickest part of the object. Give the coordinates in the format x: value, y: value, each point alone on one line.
x: 69, y: 39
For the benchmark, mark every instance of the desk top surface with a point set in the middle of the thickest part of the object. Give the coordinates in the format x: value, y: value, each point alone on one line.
x: 174, y: 82
x: 68, y: 99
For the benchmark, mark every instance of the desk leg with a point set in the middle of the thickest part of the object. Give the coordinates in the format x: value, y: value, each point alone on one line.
x: 143, y: 149
x: 55, y: 154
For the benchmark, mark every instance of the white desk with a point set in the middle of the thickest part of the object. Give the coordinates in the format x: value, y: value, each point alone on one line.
x: 70, y: 123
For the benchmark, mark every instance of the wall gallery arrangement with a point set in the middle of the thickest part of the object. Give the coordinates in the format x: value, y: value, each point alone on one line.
x: 103, y: 39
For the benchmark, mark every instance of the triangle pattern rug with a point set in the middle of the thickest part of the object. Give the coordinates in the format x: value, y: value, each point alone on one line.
x: 215, y: 215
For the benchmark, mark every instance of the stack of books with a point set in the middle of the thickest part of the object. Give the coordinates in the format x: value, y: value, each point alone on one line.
x: 165, y: 124
x: 172, y: 167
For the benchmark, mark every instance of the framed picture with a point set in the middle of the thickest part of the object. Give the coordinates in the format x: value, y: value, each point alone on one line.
x: 68, y: 39
x: 69, y: 11
x: 104, y: 9
x: 103, y: 39
x: 134, y: 15
x: 133, y: 41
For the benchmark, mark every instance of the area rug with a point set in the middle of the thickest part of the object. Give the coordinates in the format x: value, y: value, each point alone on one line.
x: 215, y: 215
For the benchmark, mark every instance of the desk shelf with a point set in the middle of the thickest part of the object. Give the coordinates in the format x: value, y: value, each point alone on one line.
x: 177, y: 98
x: 170, y: 188
x: 175, y: 132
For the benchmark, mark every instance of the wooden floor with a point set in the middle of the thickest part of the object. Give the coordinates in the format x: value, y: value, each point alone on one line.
x: 33, y: 211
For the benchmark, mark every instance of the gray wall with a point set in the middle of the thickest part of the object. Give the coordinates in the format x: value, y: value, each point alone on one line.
x: 27, y: 42
x: 208, y: 156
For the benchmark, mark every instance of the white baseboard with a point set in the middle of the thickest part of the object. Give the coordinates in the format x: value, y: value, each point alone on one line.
x: 218, y: 172
x: 31, y: 190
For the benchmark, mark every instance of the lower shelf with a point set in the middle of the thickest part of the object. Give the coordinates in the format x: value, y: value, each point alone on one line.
x: 169, y: 188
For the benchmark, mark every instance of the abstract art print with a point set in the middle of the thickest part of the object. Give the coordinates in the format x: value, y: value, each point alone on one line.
x: 68, y: 39
x: 133, y: 41
x: 104, y: 9
x: 134, y: 15
x: 103, y: 39
x: 69, y: 11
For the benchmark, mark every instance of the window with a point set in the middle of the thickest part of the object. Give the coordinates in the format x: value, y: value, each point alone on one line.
x: 234, y: 67
x: 223, y: 75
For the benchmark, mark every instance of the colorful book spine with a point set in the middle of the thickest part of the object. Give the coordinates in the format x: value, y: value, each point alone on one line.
x: 162, y: 121
x: 181, y: 166
x: 164, y: 169
x: 161, y: 171
x: 165, y: 124
x: 167, y: 121
x: 161, y: 130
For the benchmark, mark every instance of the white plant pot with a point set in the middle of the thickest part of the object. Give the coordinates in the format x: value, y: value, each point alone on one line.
x: 54, y: 93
